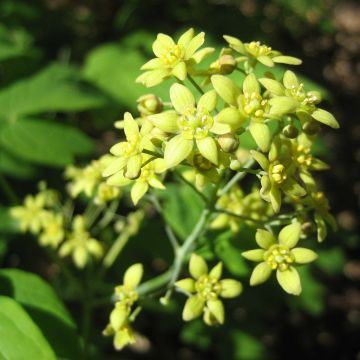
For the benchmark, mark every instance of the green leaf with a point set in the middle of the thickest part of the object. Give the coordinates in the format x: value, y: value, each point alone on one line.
x: 195, y: 333
x: 15, y: 167
x: 56, y: 88
x: 44, y: 307
x: 179, y: 200
x: 246, y: 346
x: 7, y: 223
x: 44, y: 142
x: 113, y: 68
x: 230, y: 254
x: 20, y: 338
x: 331, y: 261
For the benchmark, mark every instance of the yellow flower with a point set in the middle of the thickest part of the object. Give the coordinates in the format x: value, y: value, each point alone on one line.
x: 148, y: 177
x: 32, y: 214
x: 53, y: 232
x: 125, y: 297
x: 279, y: 255
x: 173, y: 59
x: 205, y: 289
x: 80, y: 244
x: 256, y: 52
x: 128, y: 154
x: 192, y: 124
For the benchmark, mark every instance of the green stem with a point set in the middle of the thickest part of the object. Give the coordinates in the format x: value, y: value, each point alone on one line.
x: 194, y: 83
x: 115, y: 249
x: 155, y: 283
x: 240, y: 175
x: 9, y: 192
x: 185, y: 181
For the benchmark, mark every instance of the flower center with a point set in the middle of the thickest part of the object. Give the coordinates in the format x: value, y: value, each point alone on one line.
x: 172, y: 55
x: 195, y: 123
x: 254, y: 104
x: 279, y: 257
x: 208, y: 287
x: 303, y: 156
x: 256, y: 49
x: 126, y: 296
x: 131, y: 147
x: 278, y: 173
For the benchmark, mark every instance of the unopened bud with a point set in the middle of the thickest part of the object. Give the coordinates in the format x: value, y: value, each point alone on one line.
x: 235, y: 165
x: 311, y: 127
x: 290, y: 131
x: 149, y: 104
x: 227, y: 64
x: 228, y: 142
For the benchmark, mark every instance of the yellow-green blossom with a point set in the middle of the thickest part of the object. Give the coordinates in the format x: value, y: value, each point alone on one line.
x: 173, y: 59
x: 205, y: 289
x: 125, y: 297
x: 80, y: 244
x: 256, y: 52
x: 149, y: 104
x: 245, y: 103
x: 53, y: 230
x: 89, y: 180
x: 279, y: 255
x: 32, y: 214
x: 291, y: 97
x: 279, y: 177
x: 192, y: 124
x: 251, y: 205
x: 128, y: 154
x: 148, y: 177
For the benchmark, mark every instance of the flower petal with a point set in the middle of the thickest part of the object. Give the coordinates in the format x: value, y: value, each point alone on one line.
x: 152, y: 64
x: 179, y: 71
x: 230, y: 288
x: 133, y: 276
x: 138, y: 190
x: 264, y: 238
x: 133, y: 167
x: 273, y: 86
x: 216, y: 271
x: 194, y: 44
x: 260, y: 274
x: 226, y: 89
x: 260, y: 158
x: 208, y: 101
x: 250, y: 84
x: 231, y: 116
x: 208, y: 149
x: 193, y: 308
x: 131, y: 128
x: 254, y: 255
x: 290, y: 235
x: 290, y: 80
x: 304, y: 256
x: 216, y: 308
x: 162, y: 43
x: 176, y: 150
x: 197, y: 266
x: 165, y: 121
x: 201, y: 54
x: 289, y: 60
x: 114, y: 166
x: 186, y: 37
x: 182, y: 98
x: 187, y: 285
x: 289, y: 280
x: 326, y: 118
x: 261, y: 134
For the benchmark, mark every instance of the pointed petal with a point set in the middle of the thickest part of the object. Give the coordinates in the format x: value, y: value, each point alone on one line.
x: 289, y: 280
x: 216, y: 308
x: 202, y: 54
x: 208, y: 149
x: 304, y: 256
x: 216, y: 271
x: 260, y: 274
x: 290, y: 235
x: 289, y: 60
x: 265, y: 60
x: 152, y: 64
x: 273, y: 86
x: 162, y: 43
x: 264, y: 238
x: 187, y: 285
x: 260, y: 158
x: 275, y: 198
x: 326, y: 118
x: 186, y: 37
x: 290, y: 80
x: 165, y: 121
x: 197, y: 266
x: 250, y: 84
x: 208, y: 101
x: 226, y: 89
x: 254, y: 255
x: 194, y: 44
x: 231, y: 116
x: 261, y: 134
x: 230, y: 288
x: 133, y: 167
x: 176, y: 150
x: 138, y: 190
x: 114, y: 166
x: 131, y: 128
x: 179, y: 71
x: 182, y: 98
x: 193, y: 308
x: 133, y: 276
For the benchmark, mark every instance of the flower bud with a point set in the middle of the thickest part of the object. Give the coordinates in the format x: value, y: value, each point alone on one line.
x: 227, y: 64
x: 228, y: 142
x: 311, y: 127
x: 235, y: 165
x: 290, y: 131
x: 149, y: 104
